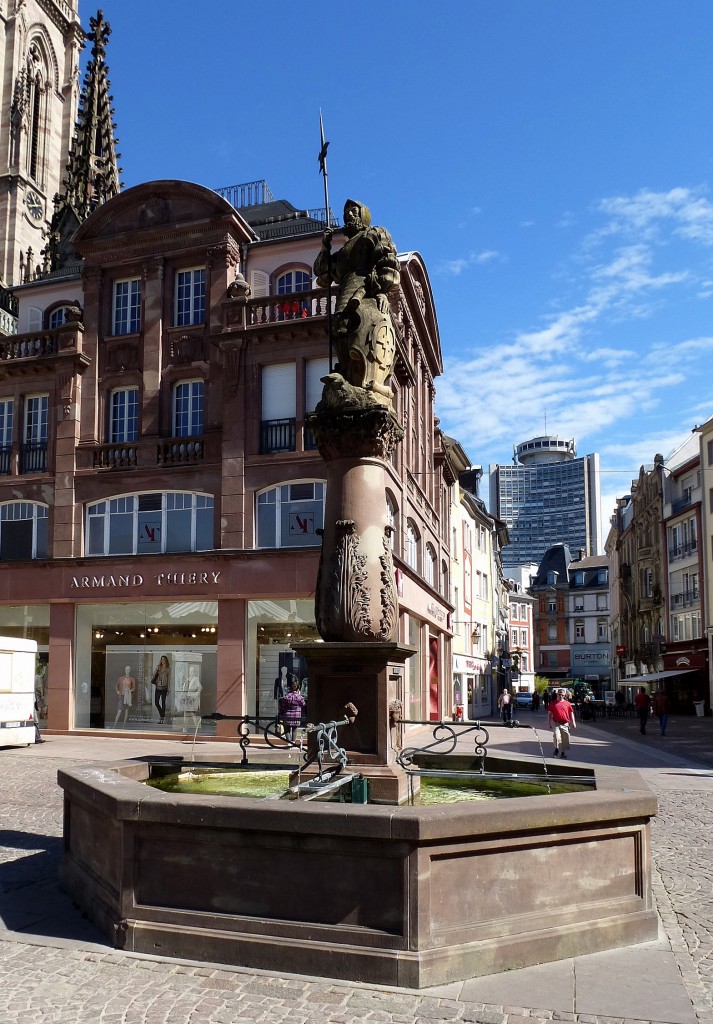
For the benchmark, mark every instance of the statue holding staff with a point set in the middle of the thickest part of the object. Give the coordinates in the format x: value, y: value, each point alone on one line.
x: 366, y: 269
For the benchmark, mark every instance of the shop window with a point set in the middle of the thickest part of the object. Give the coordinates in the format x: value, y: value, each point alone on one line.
x: 290, y: 515
x: 190, y: 297
x: 188, y: 398
x: 150, y: 524
x: 123, y: 653
x: 124, y: 416
x: 23, y: 531
x: 126, y: 312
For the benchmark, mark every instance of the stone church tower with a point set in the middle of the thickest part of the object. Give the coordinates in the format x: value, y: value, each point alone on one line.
x: 40, y: 45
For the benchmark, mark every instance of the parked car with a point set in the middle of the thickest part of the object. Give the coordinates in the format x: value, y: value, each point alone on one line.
x: 523, y: 700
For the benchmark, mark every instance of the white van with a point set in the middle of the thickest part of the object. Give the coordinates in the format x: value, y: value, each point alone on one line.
x: 17, y: 691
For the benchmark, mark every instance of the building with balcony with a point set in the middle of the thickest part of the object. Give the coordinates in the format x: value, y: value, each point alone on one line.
x: 161, y: 494
x: 656, y: 564
x: 547, y: 496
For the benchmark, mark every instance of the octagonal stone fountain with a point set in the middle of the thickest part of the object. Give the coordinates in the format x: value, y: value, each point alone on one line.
x: 382, y: 893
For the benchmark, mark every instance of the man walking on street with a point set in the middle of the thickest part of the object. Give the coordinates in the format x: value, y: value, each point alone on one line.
x: 505, y: 705
x: 642, y: 703
x: 560, y: 717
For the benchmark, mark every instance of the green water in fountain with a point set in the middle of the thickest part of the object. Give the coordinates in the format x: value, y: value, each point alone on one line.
x: 257, y: 784
x: 273, y: 784
x: 451, y: 791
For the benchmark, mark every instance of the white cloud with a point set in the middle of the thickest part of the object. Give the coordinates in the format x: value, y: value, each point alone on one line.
x: 457, y: 266
x: 590, y: 370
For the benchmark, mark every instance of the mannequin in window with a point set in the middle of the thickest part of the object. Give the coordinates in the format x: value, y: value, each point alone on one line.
x: 282, y: 684
x: 160, y: 679
x: 192, y: 700
x: 125, y: 689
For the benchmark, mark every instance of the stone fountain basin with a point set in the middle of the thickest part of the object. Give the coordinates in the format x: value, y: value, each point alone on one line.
x: 404, y: 896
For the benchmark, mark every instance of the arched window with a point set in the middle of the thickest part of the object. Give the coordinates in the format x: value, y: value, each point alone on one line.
x: 23, y: 531
x: 412, y: 544
x: 430, y: 566
x: 57, y: 317
x: 143, y: 524
x: 290, y: 284
x: 35, y: 78
x: 290, y: 515
x: 293, y: 281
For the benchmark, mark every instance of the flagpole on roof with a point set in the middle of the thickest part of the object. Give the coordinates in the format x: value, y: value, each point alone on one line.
x: 322, y: 158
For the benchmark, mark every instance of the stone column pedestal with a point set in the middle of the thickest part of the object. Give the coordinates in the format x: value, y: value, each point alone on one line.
x: 360, y: 674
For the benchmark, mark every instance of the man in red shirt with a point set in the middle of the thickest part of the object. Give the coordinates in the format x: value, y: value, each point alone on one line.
x: 560, y: 716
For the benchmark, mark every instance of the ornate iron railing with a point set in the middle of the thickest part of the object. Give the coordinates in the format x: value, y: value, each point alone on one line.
x: 277, y: 436
x: 445, y: 740
x: 326, y: 753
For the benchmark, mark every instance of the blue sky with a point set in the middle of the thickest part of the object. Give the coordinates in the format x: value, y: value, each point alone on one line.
x: 552, y: 160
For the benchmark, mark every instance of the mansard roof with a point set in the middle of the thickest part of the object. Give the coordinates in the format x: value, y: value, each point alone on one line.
x: 556, y: 559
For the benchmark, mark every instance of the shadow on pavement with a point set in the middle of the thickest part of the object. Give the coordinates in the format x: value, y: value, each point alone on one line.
x: 31, y: 900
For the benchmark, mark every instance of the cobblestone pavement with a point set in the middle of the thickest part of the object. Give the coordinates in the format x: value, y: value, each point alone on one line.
x: 50, y: 979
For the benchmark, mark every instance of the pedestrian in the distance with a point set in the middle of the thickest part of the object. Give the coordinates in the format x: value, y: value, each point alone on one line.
x: 642, y: 703
x: 560, y: 718
x: 661, y: 707
x: 535, y: 701
x: 505, y: 706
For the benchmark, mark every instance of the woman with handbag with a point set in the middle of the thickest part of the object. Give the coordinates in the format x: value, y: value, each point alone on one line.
x: 160, y: 679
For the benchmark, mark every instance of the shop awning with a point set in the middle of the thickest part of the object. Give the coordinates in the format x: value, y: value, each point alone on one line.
x: 655, y: 676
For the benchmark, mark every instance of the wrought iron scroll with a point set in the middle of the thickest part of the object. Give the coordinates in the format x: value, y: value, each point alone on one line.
x: 445, y: 740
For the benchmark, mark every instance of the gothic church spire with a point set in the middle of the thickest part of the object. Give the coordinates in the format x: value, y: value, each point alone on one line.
x: 92, y: 169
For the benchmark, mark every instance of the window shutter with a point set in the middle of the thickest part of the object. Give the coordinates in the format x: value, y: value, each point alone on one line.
x: 279, y: 400
x: 34, y: 319
x: 315, y: 369
x: 259, y: 284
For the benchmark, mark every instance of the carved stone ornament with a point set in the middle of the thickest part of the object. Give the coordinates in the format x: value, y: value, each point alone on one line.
x: 370, y: 431
x: 239, y: 288
x: 122, y: 356
x: 226, y: 253
x: 344, y: 608
x: 186, y: 349
x: 156, y: 210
